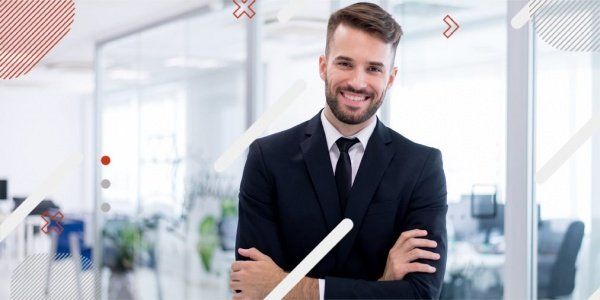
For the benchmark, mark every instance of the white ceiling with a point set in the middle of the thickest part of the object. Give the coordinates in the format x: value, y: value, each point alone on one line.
x: 96, y: 20
x: 100, y: 19
x: 70, y: 63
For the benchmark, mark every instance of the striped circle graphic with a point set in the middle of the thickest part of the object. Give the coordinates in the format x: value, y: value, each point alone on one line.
x: 29, y: 29
x: 569, y: 25
x: 59, y: 276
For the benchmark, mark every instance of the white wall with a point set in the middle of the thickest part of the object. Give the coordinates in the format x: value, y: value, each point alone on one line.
x: 40, y: 128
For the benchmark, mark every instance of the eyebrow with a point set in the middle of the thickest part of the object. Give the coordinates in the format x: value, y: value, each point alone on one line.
x: 372, y: 63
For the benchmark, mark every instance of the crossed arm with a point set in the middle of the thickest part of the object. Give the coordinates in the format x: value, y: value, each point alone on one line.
x: 407, y: 274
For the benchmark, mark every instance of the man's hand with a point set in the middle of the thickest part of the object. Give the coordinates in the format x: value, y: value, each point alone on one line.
x: 405, y: 251
x: 256, y: 278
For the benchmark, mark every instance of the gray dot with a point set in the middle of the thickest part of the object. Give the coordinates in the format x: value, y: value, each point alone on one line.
x: 105, y: 183
x: 105, y: 207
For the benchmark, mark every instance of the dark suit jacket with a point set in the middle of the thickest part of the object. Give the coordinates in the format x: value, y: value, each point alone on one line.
x: 288, y: 203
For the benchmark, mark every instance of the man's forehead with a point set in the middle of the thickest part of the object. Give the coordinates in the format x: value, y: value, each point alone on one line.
x: 357, y: 44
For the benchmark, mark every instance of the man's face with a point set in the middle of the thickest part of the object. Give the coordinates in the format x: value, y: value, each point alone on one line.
x: 357, y: 72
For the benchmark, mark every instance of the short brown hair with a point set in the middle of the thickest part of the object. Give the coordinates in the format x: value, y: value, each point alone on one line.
x: 367, y: 17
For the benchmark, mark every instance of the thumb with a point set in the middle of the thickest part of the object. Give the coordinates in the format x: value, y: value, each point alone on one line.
x: 253, y: 254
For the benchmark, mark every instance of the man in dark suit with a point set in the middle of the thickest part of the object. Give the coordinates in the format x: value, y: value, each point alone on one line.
x: 299, y: 184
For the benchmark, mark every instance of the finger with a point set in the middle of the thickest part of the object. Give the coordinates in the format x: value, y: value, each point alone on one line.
x: 236, y: 276
x: 407, y: 235
x: 253, y: 254
x: 239, y: 265
x: 418, y: 243
x: 235, y: 285
x: 236, y: 266
x: 422, y: 254
x: 419, y: 267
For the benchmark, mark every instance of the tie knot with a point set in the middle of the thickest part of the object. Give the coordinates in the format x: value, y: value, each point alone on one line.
x: 344, y: 144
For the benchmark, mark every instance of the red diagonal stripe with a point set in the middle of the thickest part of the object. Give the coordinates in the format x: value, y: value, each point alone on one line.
x: 14, y: 11
x: 23, y: 48
x: 15, y: 16
x: 25, y: 52
x: 26, y: 31
x: 46, y: 49
x: 29, y: 29
x: 15, y: 37
x: 35, y: 54
x: 50, y: 41
x: 15, y: 40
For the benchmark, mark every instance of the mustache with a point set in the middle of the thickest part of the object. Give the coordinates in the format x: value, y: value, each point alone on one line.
x: 353, y: 90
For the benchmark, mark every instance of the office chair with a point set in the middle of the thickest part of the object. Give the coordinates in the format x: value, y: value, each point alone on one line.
x: 559, y: 242
x: 73, y: 231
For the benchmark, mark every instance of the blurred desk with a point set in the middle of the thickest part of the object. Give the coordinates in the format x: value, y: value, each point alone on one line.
x: 480, y: 273
x: 463, y: 256
x: 24, y: 236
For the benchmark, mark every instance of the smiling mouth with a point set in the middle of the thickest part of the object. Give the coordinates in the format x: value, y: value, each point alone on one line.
x: 355, y: 97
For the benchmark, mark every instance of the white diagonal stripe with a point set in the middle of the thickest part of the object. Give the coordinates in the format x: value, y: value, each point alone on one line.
x: 568, y: 149
x: 595, y: 295
x: 288, y: 11
x: 521, y: 18
x: 51, y: 182
x: 312, y: 259
x: 225, y: 160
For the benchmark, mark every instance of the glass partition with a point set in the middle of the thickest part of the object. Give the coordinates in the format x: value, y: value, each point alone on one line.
x: 567, y: 89
x: 451, y: 95
x: 172, y: 99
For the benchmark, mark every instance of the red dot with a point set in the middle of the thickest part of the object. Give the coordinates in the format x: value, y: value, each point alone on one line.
x: 105, y: 160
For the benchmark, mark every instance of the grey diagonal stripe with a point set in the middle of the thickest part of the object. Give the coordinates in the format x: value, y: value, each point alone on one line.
x: 569, y: 25
x: 29, y: 279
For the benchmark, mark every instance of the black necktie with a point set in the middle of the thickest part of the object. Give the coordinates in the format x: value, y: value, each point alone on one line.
x: 343, y: 170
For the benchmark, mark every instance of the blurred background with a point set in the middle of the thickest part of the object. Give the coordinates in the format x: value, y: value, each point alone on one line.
x: 165, y: 87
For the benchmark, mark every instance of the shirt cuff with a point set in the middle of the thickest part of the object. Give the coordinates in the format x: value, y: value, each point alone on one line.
x: 321, y: 289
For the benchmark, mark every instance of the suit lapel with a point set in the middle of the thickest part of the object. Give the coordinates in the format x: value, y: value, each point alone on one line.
x: 375, y: 161
x: 318, y: 163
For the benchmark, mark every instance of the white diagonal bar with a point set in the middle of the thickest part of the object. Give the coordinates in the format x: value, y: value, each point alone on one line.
x: 568, y: 149
x: 521, y: 18
x: 49, y: 184
x: 595, y: 295
x: 289, y: 10
x: 311, y: 260
x: 225, y: 160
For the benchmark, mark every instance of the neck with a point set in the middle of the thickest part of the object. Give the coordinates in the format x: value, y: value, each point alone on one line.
x: 343, y: 128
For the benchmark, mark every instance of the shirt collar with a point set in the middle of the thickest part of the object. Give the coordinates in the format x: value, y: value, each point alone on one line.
x: 332, y: 134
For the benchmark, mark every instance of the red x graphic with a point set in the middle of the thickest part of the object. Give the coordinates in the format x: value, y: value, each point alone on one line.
x: 56, y: 219
x: 244, y: 7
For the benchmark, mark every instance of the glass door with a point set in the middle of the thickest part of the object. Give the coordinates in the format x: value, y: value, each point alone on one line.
x: 567, y: 157
x: 451, y: 95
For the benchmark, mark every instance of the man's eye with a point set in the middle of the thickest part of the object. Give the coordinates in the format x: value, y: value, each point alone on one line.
x: 344, y: 64
x: 374, y: 69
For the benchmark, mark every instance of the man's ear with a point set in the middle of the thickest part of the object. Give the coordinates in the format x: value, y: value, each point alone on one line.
x: 323, y: 67
x: 392, y: 77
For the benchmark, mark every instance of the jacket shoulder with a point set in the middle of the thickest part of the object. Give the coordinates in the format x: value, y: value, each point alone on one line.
x: 281, y: 140
x: 404, y: 145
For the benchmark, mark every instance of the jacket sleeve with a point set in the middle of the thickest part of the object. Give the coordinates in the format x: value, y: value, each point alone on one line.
x: 426, y: 210
x: 258, y: 223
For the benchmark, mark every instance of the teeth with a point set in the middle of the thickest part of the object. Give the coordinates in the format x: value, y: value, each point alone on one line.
x: 355, y: 98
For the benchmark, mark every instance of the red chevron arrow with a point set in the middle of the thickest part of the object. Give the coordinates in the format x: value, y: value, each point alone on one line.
x: 452, y: 26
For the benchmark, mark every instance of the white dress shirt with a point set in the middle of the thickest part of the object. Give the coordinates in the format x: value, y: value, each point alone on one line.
x: 355, y: 152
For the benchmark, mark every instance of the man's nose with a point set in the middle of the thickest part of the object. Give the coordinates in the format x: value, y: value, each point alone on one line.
x: 358, y: 80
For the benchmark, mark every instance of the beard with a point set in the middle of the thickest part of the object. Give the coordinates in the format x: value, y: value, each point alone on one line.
x: 348, y: 117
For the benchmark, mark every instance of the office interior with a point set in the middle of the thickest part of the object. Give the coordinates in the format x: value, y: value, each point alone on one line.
x: 163, y: 88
